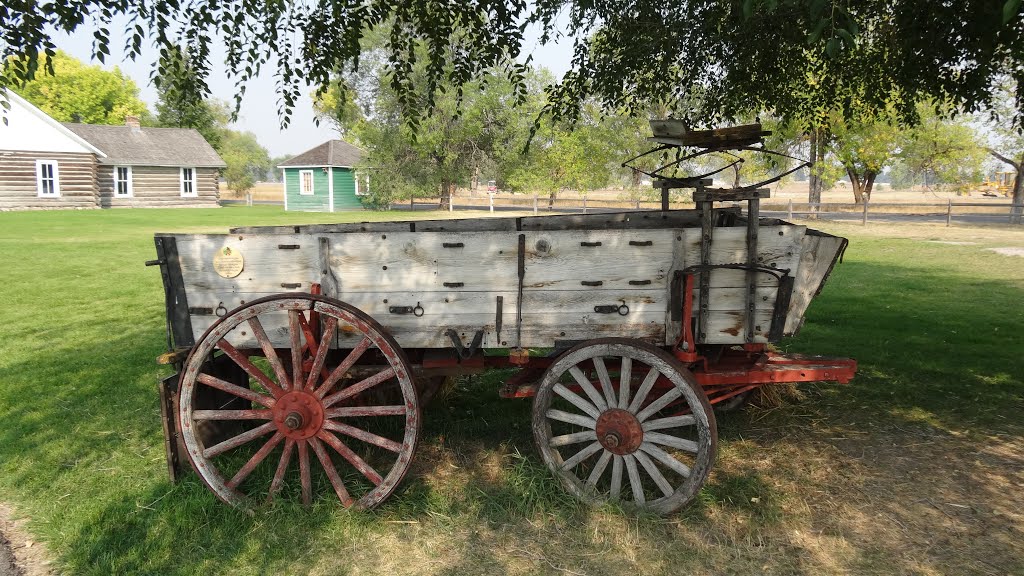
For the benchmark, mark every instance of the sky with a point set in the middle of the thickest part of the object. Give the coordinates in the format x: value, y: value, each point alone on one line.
x: 258, y: 113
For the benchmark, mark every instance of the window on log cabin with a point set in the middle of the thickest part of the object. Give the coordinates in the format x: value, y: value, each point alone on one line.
x: 306, y: 182
x: 47, y: 179
x: 123, y: 181
x: 188, y: 182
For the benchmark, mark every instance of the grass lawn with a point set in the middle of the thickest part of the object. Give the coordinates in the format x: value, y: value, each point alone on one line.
x: 917, y: 466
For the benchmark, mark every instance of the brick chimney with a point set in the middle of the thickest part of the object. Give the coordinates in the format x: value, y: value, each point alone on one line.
x: 133, y: 123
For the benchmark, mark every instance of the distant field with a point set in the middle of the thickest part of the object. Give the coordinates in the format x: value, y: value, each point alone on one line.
x: 915, y: 467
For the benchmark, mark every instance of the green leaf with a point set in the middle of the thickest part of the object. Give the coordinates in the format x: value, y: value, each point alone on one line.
x: 832, y: 48
x: 846, y: 36
x: 748, y: 9
x: 815, y: 34
x: 1010, y: 10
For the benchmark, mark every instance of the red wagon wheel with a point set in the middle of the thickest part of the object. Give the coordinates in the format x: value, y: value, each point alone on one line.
x: 358, y: 432
x: 626, y: 406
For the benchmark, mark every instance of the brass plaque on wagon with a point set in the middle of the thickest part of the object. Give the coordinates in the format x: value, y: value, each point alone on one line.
x: 228, y: 262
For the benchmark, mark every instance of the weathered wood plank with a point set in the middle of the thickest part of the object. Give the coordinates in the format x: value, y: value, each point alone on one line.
x: 565, y: 260
x: 818, y: 252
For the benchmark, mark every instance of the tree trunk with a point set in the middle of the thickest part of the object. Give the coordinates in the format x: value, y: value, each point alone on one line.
x: 1017, y: 210
x: 1018, y: 185
x: 814, y: 180
x: 446, y: 194
x: 861, y: 185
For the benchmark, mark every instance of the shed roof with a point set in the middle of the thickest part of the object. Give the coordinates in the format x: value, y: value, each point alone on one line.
x: 149, y: 146
x: 336, y: 153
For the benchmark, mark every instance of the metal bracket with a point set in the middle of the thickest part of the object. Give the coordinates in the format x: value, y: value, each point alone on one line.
x: 464, y: 352
x: 416, y: 310
x: 622, y: 309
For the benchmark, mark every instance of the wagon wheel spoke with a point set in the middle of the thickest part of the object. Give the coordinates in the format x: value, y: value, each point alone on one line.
x: 634, y: 479
x: 253, y: 462
x: 645, y: 389
x: 666, y: 459
x: 237, y: 441
x: 304, y: 478
x: 574, y: 438
x: 577, y: 401
x: 654, y: 473
x: 282, y: 467
x: 599, y: 468
x: 268, y: 351
x: 572, y: 418
x: 670, y: 422
x: 368, y: 437
x: 214, y: 382
x: 671, y: 441
x: 356, y: 411
x: 606, y: 381
x: 232, y: 414
x: 581, y: 456
x: 625, y: 378
x: 321, y: 352
x: 653, y: 407
x: 332, y: 472
x: 344, y: 367
x: 295, y: 341
x: 250, y: 368
x: 616, y: 489
x: 588, y: 388
x: 353, y: 458
x: 353, y: 390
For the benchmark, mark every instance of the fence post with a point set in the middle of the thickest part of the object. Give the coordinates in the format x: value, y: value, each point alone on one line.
x: 637, y: 203
x: 534, y: 204
x: 451, y: 205
x: 412, y: 202
x: 949, y: 211
x: 864, y: 219
x: 584, y: 204
x: 790, y: 209
x: 490, y: 201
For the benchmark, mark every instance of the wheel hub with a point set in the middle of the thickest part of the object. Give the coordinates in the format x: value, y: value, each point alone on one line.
x: 619, y: 431
x: 298, y: 415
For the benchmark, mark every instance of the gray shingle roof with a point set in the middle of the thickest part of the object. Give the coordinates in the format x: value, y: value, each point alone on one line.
x: 149, y: 146
x: 331, y: 153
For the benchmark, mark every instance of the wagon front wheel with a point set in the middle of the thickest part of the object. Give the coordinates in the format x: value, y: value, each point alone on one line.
x: 620, y: 420
x: 321, y: 402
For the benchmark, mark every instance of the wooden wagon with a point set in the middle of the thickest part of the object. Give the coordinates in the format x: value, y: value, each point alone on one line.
x: 320, y: 344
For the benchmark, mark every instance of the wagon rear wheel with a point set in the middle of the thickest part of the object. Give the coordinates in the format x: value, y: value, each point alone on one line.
x: 619, y: 420
x: 330, y: 405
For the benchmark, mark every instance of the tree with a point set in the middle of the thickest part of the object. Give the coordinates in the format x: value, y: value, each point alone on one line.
x: 1006, y: 142
x: 180, y: 104
x: 726, y: 56
x: 948, y: 149
x: 865, y: 149
x: 246, y: 160
x: 467, y: 128
x: 80, y: 93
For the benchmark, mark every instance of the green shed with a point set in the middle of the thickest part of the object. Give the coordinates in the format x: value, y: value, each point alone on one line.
x: 323, y: 179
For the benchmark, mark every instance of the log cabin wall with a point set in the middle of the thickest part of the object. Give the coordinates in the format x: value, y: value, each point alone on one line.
x: 76, y: 180
x: 158, y: 187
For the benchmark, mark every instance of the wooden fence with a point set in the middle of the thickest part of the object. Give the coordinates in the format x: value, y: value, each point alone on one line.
x: 993, y: 212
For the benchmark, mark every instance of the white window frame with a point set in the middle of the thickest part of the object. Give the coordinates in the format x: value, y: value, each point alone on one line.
x: 194, y: 182
x: 312, y: 183
x: 39, y: 178
x: 130, y: 191
x: 355, y: 178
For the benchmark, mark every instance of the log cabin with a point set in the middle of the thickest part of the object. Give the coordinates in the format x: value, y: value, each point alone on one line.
x: 48, y: 164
